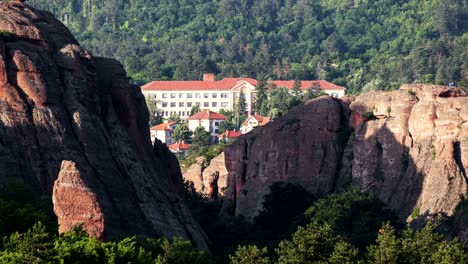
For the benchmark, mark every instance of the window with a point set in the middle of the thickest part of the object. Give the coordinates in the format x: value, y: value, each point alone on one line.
x: 189, y: 95
x: 181, y: 95
x: 164, y: 95
x: 188, y: 113
x: 166, y: 113
x: 173, y: 95
x: 214, y: 104
x: 224, y: 95
x: 206, y: 104
x: 179, y: 113
x: 154, y: 96
x: 216, y: 123
x: 224, y: 104
x: 206, y: 95
x: 214, y: 95
x: 172, y: 104
x: 189, y: 104
x: 183, y: 113
x: 197, y: 95
x: 217, y: 131
x: 164, y: 104
x: 181, y: 104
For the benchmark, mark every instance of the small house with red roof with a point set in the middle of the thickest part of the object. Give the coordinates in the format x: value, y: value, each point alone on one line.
x: 229, y: 136
x: 209, y: 120
x: 181, y: 149
x: 252, y: 122
x: 163, y: 132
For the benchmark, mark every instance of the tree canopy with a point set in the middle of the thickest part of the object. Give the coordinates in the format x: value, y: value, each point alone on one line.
x: 361, y: 44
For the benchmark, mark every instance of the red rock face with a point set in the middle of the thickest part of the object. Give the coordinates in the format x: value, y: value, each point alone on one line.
x: 302, y: 147
x: 75, y: 204
x: 412, y: 151
x: 60, y: 105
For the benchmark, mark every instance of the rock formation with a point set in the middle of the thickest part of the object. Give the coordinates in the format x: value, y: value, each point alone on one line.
x: 71, y: 118
x: 209, y: 180
x: 409, y: 146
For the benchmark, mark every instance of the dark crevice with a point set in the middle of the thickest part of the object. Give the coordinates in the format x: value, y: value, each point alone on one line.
x: 458, y: 158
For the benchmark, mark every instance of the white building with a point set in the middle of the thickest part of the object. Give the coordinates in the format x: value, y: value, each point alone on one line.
x: 208, y: 120
x: 181, y: 149
x: 252, y: 122
x: 163, y: 132
x: 178, y: 97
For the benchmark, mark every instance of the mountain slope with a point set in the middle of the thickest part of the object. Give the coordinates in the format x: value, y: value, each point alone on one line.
x: 362, y: 44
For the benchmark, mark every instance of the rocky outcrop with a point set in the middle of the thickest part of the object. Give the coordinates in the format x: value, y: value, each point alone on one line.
x: 71, y: 118
x: 75, y: 204
x: 208, y: 180
x: 194, y: 173
x: 302, y: 147
x: 215, y: 177
x: 409, y: 146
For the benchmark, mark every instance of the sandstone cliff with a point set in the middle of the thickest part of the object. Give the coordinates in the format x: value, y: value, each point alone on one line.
x: 409, y: 146
x: 209, y: 180
x: 71, y: 118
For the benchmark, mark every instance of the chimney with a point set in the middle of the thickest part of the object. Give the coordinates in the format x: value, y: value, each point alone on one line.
x: 208, y: 77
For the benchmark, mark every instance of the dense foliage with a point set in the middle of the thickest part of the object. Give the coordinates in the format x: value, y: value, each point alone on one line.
x: 362, y: 44
x: 338, y: 228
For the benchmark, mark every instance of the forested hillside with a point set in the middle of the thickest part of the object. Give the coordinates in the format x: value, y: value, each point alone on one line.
x: 362, y: 44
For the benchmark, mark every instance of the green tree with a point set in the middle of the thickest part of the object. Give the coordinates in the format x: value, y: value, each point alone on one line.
x: 34, y: 246
x: 279, y: 102
x: 155, y: 117
x: 182, y: 133
x: 174, y: 118
x: 181, y: 251
x: 315, y: 244
x: 195, y: 109
x: 240, y: 109
x: 387, y: 250
x: 250, y: 255
x: 297, y: 91
x: 261, y: 100
x: 201, y: 140
x: 229, y: 123
x: 352, y: 214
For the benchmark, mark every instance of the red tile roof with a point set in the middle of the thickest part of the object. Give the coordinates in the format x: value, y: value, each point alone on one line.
x: 163, y: 126
x: 224, y: 84
x: 207, y: 114
x: 260, y: 119
x: 178, y: 146
x: 230, y: 134
x: 229, y: 83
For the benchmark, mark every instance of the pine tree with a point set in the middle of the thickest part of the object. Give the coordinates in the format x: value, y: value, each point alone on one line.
x: 182, y: 133
x: 297, y: 92
x: 261, y: 97
x: 241, y: 108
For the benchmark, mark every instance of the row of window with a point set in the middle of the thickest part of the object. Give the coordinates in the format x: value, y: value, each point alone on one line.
x: 191, y: 95
x: 180, y: 113
x: 190, y: 104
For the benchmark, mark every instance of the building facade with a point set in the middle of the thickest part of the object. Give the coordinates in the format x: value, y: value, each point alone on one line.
x: 178, y: 97
x: 163, y: 132
x: 209, y: 120
x: 252, y: 122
